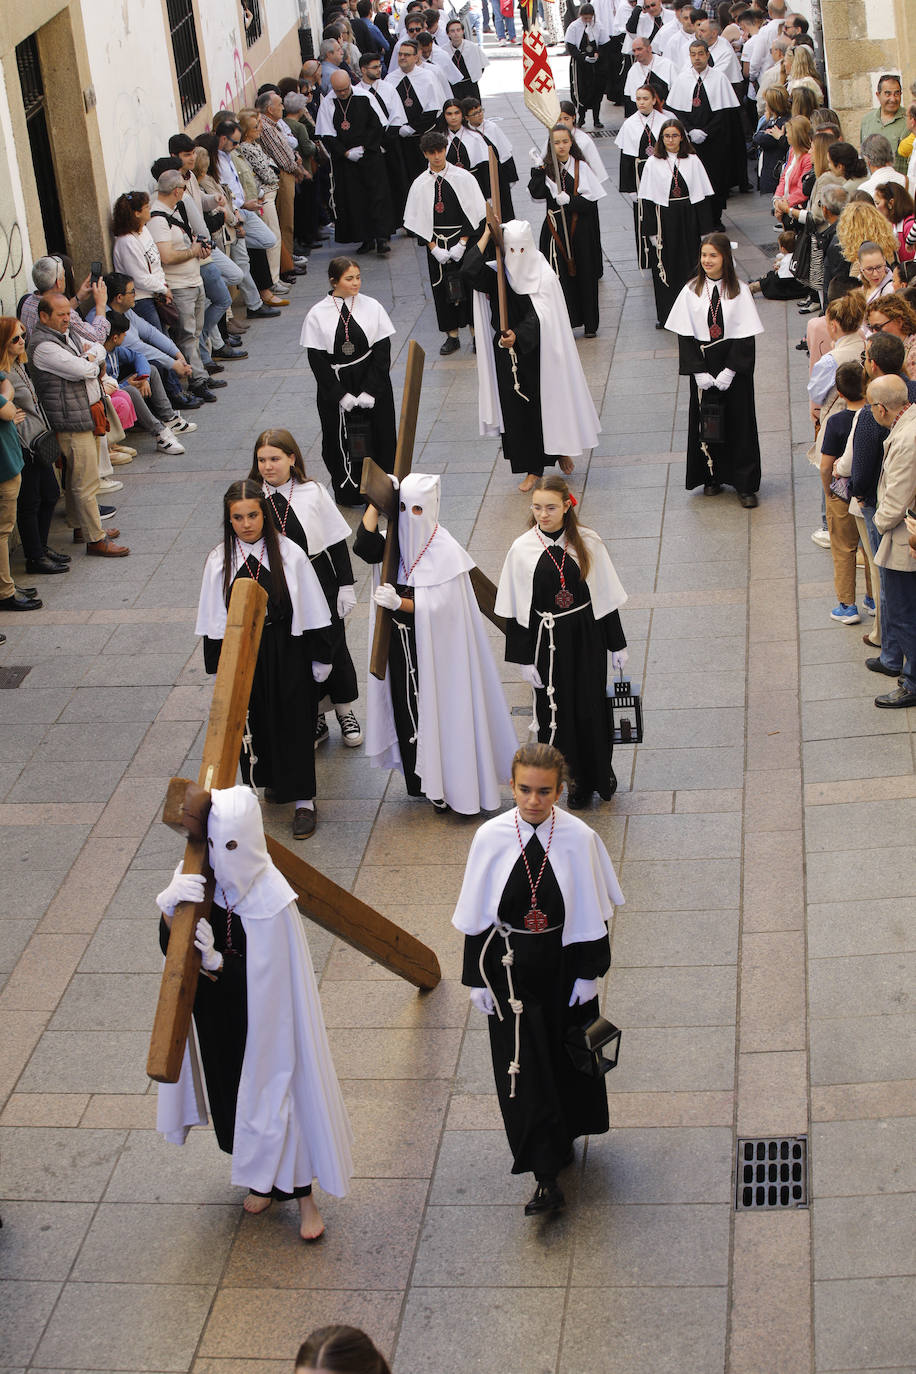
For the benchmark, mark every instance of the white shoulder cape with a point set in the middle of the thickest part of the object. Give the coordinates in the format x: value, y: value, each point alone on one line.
x: 739, y: 316
x: 319, y: 327
x: 590, y: 187
x: 631, y: 130
x: 425, y: 82
x: 418, y: 212
x: 492, y: 130
x: 324, y: 124
x: 596, y: 33
x: 475, y: 145
x: 719, y: 91
x: 638, y: 76
x: 321, y: 521
x: 310, y: 609
x: 655, y: 182
x: 513, y: 595
x: 290, y: 1124
x: 586, y: 145
x: 580, y: 862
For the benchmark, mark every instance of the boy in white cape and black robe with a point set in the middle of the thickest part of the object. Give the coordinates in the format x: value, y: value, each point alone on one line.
x: 270, y: 1080
x: 440, y: 715
x: 539, y: 890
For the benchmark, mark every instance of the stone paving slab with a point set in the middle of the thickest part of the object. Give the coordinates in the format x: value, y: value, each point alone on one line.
x: 762, y: 965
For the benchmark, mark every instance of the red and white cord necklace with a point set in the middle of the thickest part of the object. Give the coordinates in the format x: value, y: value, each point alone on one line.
x: 289, y: 505
x: 535, y: 920
x: 564, y: 598
x: 244, y: 556
x: 419, y: 555
x: 715, y: 329
x: 348, y: 348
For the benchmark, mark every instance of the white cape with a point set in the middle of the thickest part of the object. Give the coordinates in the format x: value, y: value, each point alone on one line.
x: 418, y: 212
x: 465, y: 737
x: 689, y: 315
x: 580, y: 862
x: 630, y: 134
x: 655, y: 182
x: 310, y: 609
x: 513, y: 595
x: 290, y: 1124
x: 321, y: 521
x: 639, y: 76
x: 319, y: 328
x: 719, y: 91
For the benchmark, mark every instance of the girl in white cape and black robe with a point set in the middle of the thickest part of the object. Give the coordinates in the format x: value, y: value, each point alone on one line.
x: 542, y: 361
x: 562, y: 625
x: 294, y: 654
x: 573, y: 237
x: 539, y: 890
x: 637, y: 137
x: 716, y: 321
x: 440, y: 715
x: 348, y: 338
x: 674, y: 209
x: 270, y: 1081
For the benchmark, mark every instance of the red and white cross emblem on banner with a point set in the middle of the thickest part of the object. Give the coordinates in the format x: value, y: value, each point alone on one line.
x: 537, y: 74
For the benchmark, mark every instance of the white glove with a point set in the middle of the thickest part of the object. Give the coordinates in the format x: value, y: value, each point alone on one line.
x: 387, y: 596
x: 531, y: 675
x: 619, y: 660
x: 551, y: 186
x: 562, y: 198
x: 184, y: 887
x: 346, y: 600
x: 203, y: 940
x: 653, y: 239
x: 482, y: 1000
x: 584, y: 990
x: 698, y: 136
x: 321, y: 671
x: 354, y: 154
x: 535, y: 157
x: 395, y: 481
x: 405, y: 131
x: 347, y: 401
x: 457, y: 253
x: 365, y: 401
x: 725, y: 379
x: 704, y: 380
x: 440, y: 254
x: 591, y: 60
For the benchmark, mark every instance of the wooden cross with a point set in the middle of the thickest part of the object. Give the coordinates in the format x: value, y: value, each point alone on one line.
x: 330, y: 906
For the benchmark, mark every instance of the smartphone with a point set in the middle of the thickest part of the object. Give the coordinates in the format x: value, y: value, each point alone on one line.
x: 95, y: 273
x: 911, y: 513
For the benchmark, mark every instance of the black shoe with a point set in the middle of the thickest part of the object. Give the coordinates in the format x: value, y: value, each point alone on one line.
x: 578, y: 799
x: 547, y: 1198
x: 56, y: 557
x: 596, y: 124
x: 451, y: 345
x: 289, y: 278
x: 46, y: 565
x: 899, y: 697
x: 439, y: 804
x: 711, y: 488
x: 234, y: 341
x: 591, y: 334
x: 382, y: 247
x: 19, y: 603
x: 659, y: 325
x: 30, y: 592
x: 186, y: 400
x: 229, y: 354
x: 203, y: 395
x: 612, y: 785
x: 304, y: 821
x: 366, y: 246
x: 215, y: 383
x: 802, y: 347
x: 106, y: 512
x: 748, y: 499
x: 876, y: 666
x: 213, y: 368
x: 264, y: 312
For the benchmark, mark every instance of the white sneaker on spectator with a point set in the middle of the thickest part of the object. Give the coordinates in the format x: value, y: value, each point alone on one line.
x: 821, y: 538
x: 167, y: 443
x: 109, y: 484
x: 179, y: 425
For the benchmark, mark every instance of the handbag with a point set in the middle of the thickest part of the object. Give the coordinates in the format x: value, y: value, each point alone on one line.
x: 585, y: 1043
x: 507, y: 8
x: 44, y: 448
x: 800, y: 266
x: 166, y: 310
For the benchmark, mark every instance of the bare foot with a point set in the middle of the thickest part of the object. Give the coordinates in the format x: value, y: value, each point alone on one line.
x: 566, y: 466
x: 254, y: 1205
x: 311, y: 1227
x: 528, y: 482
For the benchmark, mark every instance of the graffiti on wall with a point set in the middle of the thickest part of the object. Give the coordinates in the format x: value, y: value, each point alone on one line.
x: 243, y: 88
x: 13, y: 278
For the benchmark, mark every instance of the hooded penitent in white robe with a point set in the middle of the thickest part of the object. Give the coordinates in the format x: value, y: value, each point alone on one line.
x: 570, y: 421
x: 465, y: 737
x: 291, y: 1124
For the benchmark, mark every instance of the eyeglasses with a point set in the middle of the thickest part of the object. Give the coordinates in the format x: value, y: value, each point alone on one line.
x: 236, y: 141
x: 18, y: 338
x: 878, y: 325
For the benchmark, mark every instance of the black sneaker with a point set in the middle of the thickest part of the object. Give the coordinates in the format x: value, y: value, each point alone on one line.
x: 321, y: 730
x: 350, y: 729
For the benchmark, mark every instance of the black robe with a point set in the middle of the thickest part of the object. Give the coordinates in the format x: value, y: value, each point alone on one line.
x: 587, y: 79
x: 523, y: 436
x: 583, y: 733
x: 723, y: 152
x: 396, y: 169
x: 736, y: 459
x: 580, y: 290
x: 283, y: 706
x: 449, y: 225
x: 465, y: 87
x: 361, y: 202
x: 403, y: 680
x: 631, y: 166
x: 337, y: 374
x: 333, y: 570
x: 554, y: 1102
x: 683, y: 224
x: 420, y: 121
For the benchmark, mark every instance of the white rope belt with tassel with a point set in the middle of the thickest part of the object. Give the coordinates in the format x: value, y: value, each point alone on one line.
x: 515, y: 1006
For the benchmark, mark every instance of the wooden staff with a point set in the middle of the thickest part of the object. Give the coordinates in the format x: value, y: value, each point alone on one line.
x: 495, y: 225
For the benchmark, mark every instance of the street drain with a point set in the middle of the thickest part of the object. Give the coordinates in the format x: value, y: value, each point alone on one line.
x: 771, y: 1173
x: 13, y: 675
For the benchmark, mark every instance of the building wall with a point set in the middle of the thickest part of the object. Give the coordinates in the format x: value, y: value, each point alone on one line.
x: 15, y: 255
x: 862, y: 39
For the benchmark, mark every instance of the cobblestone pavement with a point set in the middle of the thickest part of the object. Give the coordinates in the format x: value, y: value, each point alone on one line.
x: 762, y: 963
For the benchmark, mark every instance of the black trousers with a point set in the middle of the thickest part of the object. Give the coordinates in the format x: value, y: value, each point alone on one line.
x: 38, y: 495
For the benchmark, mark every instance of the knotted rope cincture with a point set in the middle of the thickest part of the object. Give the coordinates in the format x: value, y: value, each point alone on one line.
x: 516, y: 1006
x: 548, y: 620
x: 410, y: 675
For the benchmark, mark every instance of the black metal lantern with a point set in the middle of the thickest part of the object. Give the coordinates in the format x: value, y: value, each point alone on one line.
x: 584, y: 1045
x: 625, y: 712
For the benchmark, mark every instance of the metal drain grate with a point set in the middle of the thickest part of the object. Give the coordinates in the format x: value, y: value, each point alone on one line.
x: 771, y: 1173
x: 13, y: 675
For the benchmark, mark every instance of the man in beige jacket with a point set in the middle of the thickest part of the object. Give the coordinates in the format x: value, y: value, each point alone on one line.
x: 896, y: 493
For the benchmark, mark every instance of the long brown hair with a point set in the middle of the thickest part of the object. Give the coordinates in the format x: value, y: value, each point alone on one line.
x: 570, y: 523
x: 246, y: 490
x: 730, y: 282
x: 686, y: 147
x: 8, y: 327
x: 284, y: 441
x: 342, y: 1349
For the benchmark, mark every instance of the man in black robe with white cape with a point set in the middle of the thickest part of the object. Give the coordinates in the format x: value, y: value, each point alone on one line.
x: 706, y: 104
x: 354, y: 136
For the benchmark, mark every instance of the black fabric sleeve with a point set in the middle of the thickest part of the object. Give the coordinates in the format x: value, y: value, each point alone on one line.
x: 319, y: 644
x: 320, y: 363
x: 470, y: 972
x: 519, y: 643
x: 588, y: 958
x: 690, y: 359
x: 611, y: 628
x: 212, y: 650
x: 339, y: 555
x: 527, y: 329
x: 574, y: 53
x: 741, y: 355
x: 536, y: 183
x: 379, y: 366
x: 369, y: 545
x: 475, y: 272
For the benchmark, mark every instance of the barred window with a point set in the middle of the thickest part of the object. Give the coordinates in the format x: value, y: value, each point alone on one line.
x: 183, y: 33
x: 251, y: 11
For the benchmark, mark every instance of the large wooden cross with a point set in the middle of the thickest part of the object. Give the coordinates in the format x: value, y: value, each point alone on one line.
x: 330, y: 906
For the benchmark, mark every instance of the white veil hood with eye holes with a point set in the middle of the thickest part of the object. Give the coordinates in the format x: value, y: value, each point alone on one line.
x: 246, y: 878
x: 434, y: 558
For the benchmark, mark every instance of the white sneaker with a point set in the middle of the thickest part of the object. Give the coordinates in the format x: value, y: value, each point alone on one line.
x: 167, y: 443
x: 109, y: 484
x: 821, y: 538
x: 179, y: 425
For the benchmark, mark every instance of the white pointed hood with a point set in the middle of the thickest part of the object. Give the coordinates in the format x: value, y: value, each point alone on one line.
x: 246, y: 879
